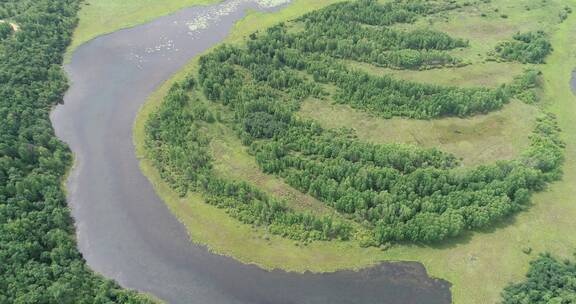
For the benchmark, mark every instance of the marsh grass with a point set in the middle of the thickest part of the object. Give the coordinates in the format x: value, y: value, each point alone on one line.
x: 477, y: 140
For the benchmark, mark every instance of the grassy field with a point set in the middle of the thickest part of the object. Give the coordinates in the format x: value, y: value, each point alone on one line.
x: 488, y: 22
x: 99, y: 17
x: 502, y: 135
x: 478, y: 264
x: 482, y: 74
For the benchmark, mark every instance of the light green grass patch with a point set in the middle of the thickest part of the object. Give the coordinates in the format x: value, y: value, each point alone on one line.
x: 482, y: 74
x: 476, y: 140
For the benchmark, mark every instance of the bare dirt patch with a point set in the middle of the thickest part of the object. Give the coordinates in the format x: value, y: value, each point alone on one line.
x: 15, y: 27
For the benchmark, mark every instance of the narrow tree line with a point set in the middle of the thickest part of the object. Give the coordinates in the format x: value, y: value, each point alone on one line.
x: 372, y: 12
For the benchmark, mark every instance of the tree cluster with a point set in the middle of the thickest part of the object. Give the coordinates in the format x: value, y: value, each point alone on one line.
x: 530, y: 47
x: 177, y: 144
x: 39, y: 261
x: 549, y: 281
x: 5, y: 30
x: 564, y: 13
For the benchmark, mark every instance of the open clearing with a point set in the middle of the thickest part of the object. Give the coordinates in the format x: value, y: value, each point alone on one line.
x: 468, y: 262
x: 14, y: 26
x: 476, y: 140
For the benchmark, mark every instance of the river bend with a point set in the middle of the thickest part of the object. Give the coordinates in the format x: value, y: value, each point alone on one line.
x: 127, y: 233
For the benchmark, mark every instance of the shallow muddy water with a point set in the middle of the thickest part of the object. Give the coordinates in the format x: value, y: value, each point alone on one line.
x: 127, y: 233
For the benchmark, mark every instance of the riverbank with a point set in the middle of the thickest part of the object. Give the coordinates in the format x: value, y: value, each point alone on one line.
x: 467, y: 262
x: 100, y: 17
x: 206, y: 223
x: 125, y: 231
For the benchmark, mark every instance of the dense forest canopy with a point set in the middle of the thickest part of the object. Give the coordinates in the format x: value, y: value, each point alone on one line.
x: 380, y: 193
x: 328, y: 33
x: 549, y: 281
x: 39, y: 261
x: 5, y: 30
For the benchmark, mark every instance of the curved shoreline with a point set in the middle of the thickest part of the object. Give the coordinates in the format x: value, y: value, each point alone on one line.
x: 126, y: 233
x: 448, y: 261
x: 84, y: 32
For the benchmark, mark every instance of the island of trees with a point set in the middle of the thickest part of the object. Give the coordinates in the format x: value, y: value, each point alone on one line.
x: 530, y: 47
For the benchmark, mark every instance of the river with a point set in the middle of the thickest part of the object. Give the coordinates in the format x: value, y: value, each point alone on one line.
x: 126, y: 233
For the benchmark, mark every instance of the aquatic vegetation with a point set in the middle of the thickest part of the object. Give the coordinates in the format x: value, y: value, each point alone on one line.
x: 202, y: 21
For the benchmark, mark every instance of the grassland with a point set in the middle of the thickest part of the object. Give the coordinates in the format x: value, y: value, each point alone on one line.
x: 501, y: 135
x: 478, y: 264
x: 99, y: 17
x: 481, y: 74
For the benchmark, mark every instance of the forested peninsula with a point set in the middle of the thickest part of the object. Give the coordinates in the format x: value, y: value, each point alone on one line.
x: 376, y: 194
x: 381, y: 193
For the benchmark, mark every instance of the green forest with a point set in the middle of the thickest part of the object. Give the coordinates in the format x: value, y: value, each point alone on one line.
x: 384, y: 193
x: 379, y: 194
x: 530, y: 47
x: 5, y: 30
x: 549, y: 281
x: 39, y: 261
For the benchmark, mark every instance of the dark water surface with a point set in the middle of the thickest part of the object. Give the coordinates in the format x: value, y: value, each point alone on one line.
x: 573, y: 81
x: 127, y: 233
